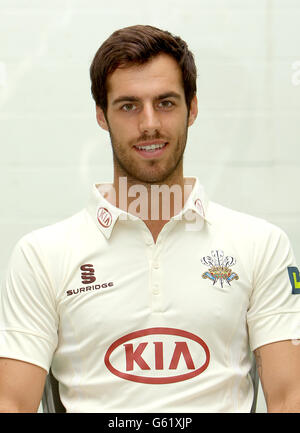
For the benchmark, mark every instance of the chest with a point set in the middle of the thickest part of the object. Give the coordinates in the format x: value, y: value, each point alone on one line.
x: 203, y: 289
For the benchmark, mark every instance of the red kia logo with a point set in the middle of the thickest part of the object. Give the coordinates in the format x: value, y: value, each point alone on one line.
x: 104, y: 217
x: 157, y: 355
x: 199, y: 206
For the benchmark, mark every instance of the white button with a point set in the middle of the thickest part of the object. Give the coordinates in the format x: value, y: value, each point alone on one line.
x: 155, y: 289
x: 149, y: 241
x: 155, y: 265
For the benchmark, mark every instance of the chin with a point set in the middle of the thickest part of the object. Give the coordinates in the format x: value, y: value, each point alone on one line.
x: 151, y: 177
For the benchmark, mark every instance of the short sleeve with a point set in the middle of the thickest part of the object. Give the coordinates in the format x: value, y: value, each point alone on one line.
x: 274, y: 311
x: 28, y: 317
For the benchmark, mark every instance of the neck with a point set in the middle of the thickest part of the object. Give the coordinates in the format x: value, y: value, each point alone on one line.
x: 152, y: 202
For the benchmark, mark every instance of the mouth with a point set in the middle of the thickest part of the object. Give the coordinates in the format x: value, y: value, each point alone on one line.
x: 151, y: 149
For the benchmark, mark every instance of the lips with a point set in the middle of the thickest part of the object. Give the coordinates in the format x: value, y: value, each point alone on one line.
x: 151, y: 149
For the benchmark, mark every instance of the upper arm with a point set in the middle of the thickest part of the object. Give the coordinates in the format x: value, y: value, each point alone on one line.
x: 278, y: 365
x: 28, y: 329
x: 21, y: 385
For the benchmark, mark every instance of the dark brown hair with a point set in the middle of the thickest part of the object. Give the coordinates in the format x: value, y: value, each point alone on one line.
x: 137, y: 45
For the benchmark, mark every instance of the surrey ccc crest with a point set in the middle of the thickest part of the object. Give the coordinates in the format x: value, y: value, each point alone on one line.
x: 219, y: 268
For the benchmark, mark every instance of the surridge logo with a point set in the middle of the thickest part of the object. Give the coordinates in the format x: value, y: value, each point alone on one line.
x: 87, y: 274
x: 88, y: 277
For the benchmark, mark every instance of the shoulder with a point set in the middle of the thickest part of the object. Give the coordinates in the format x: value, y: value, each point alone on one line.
x: 242, y: 225
x: 55, y: 235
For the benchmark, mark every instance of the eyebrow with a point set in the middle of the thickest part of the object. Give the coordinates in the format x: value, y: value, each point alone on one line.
x: 126, y: 98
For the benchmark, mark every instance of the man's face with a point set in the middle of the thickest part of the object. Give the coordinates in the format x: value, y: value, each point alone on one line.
x: 147, y: 119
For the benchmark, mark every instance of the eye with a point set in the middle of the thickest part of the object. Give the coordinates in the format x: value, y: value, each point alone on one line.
x: 128, y: 107
x: 166, y: 104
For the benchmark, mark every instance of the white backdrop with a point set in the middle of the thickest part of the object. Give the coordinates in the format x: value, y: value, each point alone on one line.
x: 243, y: 147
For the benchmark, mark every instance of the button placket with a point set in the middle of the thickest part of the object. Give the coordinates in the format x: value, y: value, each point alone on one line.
x: 153, y: 251
x: 156, y: 280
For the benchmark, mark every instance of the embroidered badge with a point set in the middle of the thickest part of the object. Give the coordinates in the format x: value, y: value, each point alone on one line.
x: 294, y: 279
x: 219, y: 268
x: 104, y: 217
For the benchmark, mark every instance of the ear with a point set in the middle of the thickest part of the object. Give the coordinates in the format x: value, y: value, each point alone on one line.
x: 193, y: 111
x: 101, y: 118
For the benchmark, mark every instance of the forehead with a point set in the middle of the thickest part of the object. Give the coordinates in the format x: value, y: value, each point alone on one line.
x: 159, y: 75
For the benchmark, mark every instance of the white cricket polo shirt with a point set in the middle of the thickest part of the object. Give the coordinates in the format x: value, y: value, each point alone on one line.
x: 130, y: 325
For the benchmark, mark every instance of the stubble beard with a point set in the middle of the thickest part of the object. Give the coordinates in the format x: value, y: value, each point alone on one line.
x: 153, y: 174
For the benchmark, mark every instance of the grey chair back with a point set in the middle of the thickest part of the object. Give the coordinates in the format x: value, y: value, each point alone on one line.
x: 51, y: 400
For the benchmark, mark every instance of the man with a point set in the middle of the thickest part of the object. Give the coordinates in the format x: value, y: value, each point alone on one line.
x: 152, y: 298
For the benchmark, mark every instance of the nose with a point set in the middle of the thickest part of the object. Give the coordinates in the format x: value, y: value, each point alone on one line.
x: 149, y: 121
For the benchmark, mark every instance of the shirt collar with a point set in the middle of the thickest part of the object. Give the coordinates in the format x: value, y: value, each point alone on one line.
x: 105, y: 214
